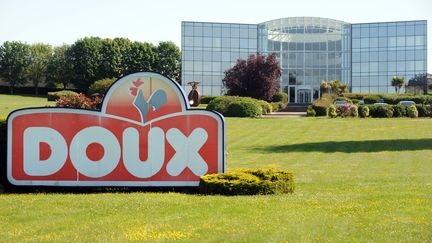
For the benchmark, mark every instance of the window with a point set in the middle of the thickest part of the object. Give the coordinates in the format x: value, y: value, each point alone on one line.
x: 401, y: 41
x: 188, y: 30
x: 355, y: 31
x: 188, y: 41
x: 364, y: 32
x: 419, y: 40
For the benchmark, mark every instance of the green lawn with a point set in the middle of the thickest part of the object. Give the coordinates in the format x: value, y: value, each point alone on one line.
x: 357, y: 180
x: 9, y: 103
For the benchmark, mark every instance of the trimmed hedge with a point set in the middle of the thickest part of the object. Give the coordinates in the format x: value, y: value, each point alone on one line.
x: 53, y: 96
x: 381, y: 111
x: 248, y: 182
x: 363, y: 111
x: 207, y: 99
x: 266, y: 108
x: 321, y: 106
x: 392, y: 99
x: 310, y: 111
x: 243, y: 107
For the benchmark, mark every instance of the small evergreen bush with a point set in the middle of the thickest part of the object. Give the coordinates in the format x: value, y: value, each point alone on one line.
x: 412, y: 111
x: 423, y: 110
x: 399, y: 111
x: 53, y: 96
x: 265, y: 106
x: 332, y: 111
x: 363, y: 111
x: 101, y: 86
x: 248, y: 182
x: 381, y: 111
x: 310, y: 111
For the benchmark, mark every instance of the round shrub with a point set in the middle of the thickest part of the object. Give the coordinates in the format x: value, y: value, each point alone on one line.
x: 244, y: 108
x: 248, y: 182
x: 53, y: 96
x: 382, y: 111
x: 280, y: 97
x: 265, y: 107
x: 363, y: 111
x: 310, y: 111
x: 320, y: 106
x: 220, y: 104
x: 207, y: 99
x: 332, y: 111
x: 423, y: 110
x: 100, y: 87
x: 412, y: 111
x: 399, y: 111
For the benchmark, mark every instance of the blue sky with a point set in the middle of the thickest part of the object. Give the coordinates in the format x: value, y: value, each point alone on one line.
x: 64, y: 21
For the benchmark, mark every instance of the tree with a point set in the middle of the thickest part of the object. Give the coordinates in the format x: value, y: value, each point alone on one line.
x: 256, y: 77
x: 168, y: 60
x: 36, y: 71
x: 86, y: 55
x: 60, y: 67
x: 398, y: 83
x: 419, y: 81
x: 14, y: 59
x: 140, y: 57
x: 114, y: 53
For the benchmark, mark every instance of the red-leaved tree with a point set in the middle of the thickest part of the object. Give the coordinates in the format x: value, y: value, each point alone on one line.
x: 258, y: 77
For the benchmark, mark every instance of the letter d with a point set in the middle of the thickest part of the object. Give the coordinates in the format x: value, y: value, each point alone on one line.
x: 33, y: 136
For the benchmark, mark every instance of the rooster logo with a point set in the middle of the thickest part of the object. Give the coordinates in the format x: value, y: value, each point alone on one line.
x: 156, y: 100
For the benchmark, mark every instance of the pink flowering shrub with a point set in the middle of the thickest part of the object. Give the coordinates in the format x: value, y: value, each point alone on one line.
x: 80, y: 101
x: 347, y: 110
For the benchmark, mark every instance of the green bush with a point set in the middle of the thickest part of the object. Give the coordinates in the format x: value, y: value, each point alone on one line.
x: 244, y: 108
x: 220, y: 104
x: 363, y: 111
x: 101, y: 86
x: 265, y: 107
x: 399, y: 111
x: 53, y: 96
x: 310, y: 111
x: 423, y: 110
x: 207, y: 99
x: 332, y: 111
x: 280, y: 97
x: 320, y: 106
x: 381, y: 111
x: 248, y: 182
x: 412, y: 111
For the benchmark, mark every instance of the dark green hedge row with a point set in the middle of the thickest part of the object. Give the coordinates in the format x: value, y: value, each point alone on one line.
x: 388, y: 111
x: 235, y: 106
x: 3, y: 130
x: 392, y: 99
x: 248, y: 182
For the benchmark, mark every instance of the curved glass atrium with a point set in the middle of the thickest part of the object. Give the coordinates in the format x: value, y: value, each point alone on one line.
x: 309, y: 50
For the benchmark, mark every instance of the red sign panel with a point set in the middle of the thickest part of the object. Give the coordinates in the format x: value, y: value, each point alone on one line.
x: 145, y: 135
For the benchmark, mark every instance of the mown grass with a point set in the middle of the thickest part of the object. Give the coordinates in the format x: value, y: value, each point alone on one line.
x: 357, y: 180
x: 9, y: 103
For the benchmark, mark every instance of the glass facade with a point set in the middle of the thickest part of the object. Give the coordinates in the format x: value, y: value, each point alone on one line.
x: 208, y: 49
x: 383, y: 50
x: 309, y: 50
x: 365, y: 56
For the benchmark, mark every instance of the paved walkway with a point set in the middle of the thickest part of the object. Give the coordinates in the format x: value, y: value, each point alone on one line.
x: 285, y: 114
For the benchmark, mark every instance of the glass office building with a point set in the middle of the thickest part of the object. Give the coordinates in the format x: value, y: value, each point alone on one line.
x: 309, y: 50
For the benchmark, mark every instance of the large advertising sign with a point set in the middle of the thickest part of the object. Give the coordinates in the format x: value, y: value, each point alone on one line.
x: 144, y: 135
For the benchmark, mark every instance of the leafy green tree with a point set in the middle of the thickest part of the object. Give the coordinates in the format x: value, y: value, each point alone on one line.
x: 36, y: 71
x: 141, y: 57
x: 168, y: 61
x: 419, y: 80
x: 398, y: 83
x: 14, y: 59
x: 86, y: 55
x: 60, y: 67
x: 114, y: 53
